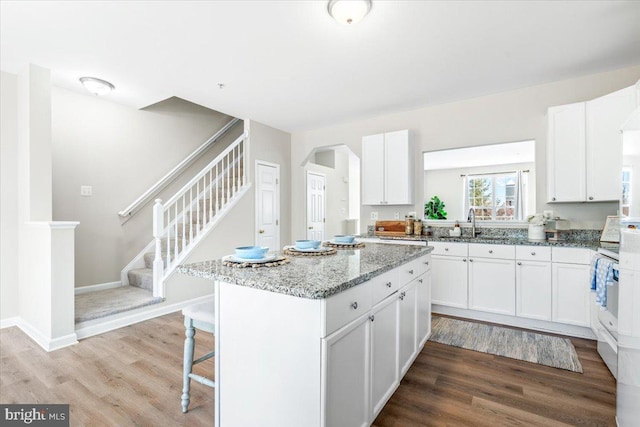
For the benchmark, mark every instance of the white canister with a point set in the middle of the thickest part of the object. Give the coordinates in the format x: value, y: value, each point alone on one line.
x: 536, y: 232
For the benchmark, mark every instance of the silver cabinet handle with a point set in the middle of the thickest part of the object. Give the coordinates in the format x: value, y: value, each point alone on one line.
x: 490, y: 251
x: 553, y: 199
x: 426, y: 262
x: 372, y: 317
x: 388, y: 284
x: 420, y: 280
x: 519, y: 263
x: 446, y: 249
x: 533, y: 253
x: 590, y: 197
x: 464, y: 260
x: 402, y: 295
x: 354, y: 305
x: 470, y: 260
x: 410, y: 271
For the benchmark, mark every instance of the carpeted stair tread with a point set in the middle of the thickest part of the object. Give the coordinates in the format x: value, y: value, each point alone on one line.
x: 95, y: 305
x: 141, y: 278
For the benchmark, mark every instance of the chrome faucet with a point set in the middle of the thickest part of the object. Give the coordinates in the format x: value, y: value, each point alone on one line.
x: 472, y: 219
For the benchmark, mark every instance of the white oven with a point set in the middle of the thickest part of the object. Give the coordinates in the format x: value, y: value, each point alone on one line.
x: 607, y: 330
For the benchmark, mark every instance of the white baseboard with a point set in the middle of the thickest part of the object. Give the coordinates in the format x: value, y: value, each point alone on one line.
x: 98, y: 287
x: 9, y: 322
x: 120, y: 320
x: 538, y: 325
x: 48, y: 344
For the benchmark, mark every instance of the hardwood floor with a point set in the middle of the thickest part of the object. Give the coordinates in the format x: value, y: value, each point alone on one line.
x: 133, y: 377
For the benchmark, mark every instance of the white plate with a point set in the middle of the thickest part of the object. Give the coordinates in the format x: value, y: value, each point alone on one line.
x: 341, y: 243
x: 293, y: 248
x: 238, y: 259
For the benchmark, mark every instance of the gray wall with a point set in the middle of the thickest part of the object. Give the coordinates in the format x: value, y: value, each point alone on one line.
x: 516, y: 115
x: 120, y: 152
x: 8, y: 195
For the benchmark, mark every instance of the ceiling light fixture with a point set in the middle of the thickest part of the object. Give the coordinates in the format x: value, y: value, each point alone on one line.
x: 96, y: 86
x: 348, y: 11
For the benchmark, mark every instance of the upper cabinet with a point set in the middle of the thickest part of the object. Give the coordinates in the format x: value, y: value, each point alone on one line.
x: 585, y: 148
x: 387, y: 168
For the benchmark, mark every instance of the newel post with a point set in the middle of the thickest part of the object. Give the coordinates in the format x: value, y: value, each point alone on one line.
x: 158, y: 264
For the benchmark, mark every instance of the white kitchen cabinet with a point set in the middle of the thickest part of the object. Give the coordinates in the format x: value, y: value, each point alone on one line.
x: 449, y: 281
x: 570, y: 294
x: 566, y: 153
x: 605, y: 115
x: 347, y: 388
x: 387, y: 168
x: 533, y: 289
x: 407, y: 326
x: 384, y: 355
x: 584, y: 148
x: 491, y: 285
x: 423, y: 305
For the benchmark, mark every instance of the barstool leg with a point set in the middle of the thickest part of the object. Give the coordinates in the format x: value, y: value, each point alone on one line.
x: 189, y: 343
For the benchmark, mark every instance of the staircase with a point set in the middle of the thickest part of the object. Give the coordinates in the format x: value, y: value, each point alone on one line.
x: 180, y: 223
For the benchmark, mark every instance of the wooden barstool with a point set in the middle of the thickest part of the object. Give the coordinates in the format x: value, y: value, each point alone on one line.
x: 198, y: 316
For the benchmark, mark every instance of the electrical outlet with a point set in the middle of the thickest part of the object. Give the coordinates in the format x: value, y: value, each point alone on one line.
x: 86, y: 191
x: 412, y: 214
x: 548, y: 214
x: 396, y: 215
x: 374, y: 216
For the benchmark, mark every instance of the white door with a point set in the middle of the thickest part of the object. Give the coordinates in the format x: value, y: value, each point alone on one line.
x: 267, y: 205
x: 570, y: 294
x: 384, y: 354
x: 406, y: 327
x: 491, y: 285
x: 316, y: 188
x: 373, y: 170
x: 533, y: 290
x: 449, y: 281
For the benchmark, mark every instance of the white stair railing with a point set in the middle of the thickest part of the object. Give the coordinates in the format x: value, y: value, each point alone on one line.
x: 180, y: 222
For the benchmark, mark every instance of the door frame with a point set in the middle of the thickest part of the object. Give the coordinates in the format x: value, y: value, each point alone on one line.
x: 257, y: 192
x: 324, y: 203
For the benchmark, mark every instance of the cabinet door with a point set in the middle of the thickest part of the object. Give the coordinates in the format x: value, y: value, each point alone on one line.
x: 449, y: 281
x: 492, y: 285
x: 424, y: 309
x: 373, y: 182
x: 398, y: 168
x: 533, y: 289
x: 566, y: 147
x: 407, y: 327
x: 384, y: 353
x: 346, y: 392
x: 605, y: 115
x: 570, y: 294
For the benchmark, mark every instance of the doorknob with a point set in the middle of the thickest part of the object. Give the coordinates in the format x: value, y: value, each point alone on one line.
x: 310, y: 228
x: 261, y: 231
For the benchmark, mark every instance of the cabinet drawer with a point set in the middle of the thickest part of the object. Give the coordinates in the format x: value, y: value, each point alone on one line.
x: 346, y: 306
x: 533, y: 253
x: 449, y: 248
x: 571, y: 255
x: 481, y: 250
x: 384, y: 285
x: 411, y: 270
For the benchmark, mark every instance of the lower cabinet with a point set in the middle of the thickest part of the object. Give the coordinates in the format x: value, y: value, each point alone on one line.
x: 347, y: 388
x: 533, y: 290
x: 423, y: 305
x: 570, y: 294
x: 491, y: 286
x: 449, y: 281
x: 384, y: 355
x: 407, y: 327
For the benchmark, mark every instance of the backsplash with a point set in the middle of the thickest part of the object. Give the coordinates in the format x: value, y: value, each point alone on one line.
x: 516, y: 233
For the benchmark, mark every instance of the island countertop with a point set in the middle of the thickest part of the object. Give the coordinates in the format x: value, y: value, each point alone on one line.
x: 313, y: 277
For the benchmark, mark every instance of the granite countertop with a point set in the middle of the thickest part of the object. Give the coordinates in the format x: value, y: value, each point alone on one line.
x: 504, y: 240
x: 313, y: 277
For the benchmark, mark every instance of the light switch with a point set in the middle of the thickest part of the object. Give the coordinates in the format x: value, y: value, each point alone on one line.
x: 86, y: 190
x: 396, y: 215
x: 374, y: 216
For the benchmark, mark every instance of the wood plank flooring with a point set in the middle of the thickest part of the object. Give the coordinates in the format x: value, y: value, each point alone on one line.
x: 133, y: 377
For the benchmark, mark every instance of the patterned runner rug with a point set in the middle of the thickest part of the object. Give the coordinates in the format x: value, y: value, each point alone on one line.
x: 515, y: 344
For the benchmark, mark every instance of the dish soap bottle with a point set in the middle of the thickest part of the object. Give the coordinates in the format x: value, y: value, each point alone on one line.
x: 457, y: 231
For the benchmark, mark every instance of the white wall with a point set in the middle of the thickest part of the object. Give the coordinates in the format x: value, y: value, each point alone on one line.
x: 8, y: 196
x: 120, y: 152
x: 516, y: 115
x: 447, y: 184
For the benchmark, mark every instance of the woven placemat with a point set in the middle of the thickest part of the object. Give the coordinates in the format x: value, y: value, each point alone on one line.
x: 359, y: 245
x: 238, y: 264
x: 293, y: 252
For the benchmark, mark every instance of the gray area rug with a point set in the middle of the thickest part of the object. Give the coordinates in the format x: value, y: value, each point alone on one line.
x: 515, y: 344
x: 94, y: 305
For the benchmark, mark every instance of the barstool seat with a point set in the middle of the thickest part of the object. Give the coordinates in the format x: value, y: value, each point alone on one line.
x: 197, y: 316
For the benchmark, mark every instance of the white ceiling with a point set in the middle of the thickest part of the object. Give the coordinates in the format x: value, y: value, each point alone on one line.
x: 289, y: 65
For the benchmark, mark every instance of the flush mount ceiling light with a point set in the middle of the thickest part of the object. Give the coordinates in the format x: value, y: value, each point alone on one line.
x: 96, y: 86
x: 348, y: 11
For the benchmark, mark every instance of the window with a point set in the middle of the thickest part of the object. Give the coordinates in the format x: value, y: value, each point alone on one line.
x: 625, y: 203
x: 495, y: 197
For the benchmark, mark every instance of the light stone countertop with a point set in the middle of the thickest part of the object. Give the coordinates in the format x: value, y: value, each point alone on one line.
x: 313, y: 277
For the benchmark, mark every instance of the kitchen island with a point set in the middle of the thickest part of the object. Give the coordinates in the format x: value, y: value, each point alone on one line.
x: 320, y: 341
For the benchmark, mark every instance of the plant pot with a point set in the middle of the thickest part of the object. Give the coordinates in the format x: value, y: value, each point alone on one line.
x: 536, y: 232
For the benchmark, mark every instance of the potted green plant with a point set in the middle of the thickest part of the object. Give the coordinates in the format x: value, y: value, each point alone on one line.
x: 434, y: 209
